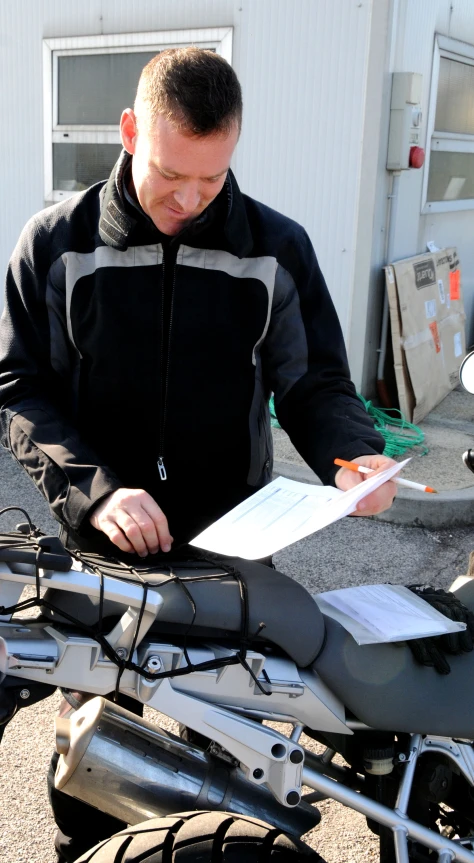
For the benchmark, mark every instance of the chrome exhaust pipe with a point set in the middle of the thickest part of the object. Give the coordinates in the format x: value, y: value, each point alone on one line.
x: 133, y: 770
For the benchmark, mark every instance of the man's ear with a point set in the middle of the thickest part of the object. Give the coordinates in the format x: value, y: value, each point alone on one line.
x: 128, y: 130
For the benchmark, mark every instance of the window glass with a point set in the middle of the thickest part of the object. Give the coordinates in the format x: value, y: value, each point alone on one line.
x: 455, y: 104
x: 78, y: 166
x: 451, y: 176
x: 93, y: 89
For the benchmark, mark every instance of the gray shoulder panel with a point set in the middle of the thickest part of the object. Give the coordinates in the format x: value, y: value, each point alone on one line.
x: 79, y: 265
x: 263, y: 269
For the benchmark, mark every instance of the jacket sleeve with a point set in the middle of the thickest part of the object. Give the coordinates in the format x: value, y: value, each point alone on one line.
x: 36, y: 405
x: 305, y: 363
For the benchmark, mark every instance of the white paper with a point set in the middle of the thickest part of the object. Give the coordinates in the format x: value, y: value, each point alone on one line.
x: 432, y: 247
x: 382, y: 613
x: 282, y: 513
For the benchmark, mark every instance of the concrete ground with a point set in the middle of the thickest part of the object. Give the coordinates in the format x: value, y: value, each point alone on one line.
x: 352, y: 551
x: 449, y: 432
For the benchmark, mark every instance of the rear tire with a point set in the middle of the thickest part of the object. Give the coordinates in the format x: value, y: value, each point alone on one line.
x: 201, y: 837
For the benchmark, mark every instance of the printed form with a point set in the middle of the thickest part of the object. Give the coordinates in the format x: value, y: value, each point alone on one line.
x: 282, y: 513
x: 380, y: 613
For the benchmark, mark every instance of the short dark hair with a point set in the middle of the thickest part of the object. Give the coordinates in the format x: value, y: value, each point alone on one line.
x: 195, y: 88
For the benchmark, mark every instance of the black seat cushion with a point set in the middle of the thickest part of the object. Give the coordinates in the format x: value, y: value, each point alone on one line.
x: 384, y: 686
x: 291, y: 618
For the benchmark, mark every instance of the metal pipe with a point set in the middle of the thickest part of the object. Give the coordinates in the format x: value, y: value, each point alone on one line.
x: 445, y: 857
x: 296, y: 733
x: 327, y: 755
x: 383, y: 815
x: 259, y: 714
x: 342, y: 775
x: 401, y: 845
x: 392, y: 222
x: 404, y: 791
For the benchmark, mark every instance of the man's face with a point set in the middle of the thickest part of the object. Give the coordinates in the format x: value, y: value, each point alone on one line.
x: 175, y: 175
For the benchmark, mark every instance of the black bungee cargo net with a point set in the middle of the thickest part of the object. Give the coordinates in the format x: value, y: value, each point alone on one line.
x: 13, y: 546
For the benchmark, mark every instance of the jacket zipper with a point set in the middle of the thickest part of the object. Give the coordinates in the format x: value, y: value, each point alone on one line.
x: 165, y: 361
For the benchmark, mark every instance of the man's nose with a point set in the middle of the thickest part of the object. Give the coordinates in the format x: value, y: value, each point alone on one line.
x: 188, y: 197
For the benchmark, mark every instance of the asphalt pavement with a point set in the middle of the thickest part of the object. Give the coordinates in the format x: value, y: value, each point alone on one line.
x: 448, y: 432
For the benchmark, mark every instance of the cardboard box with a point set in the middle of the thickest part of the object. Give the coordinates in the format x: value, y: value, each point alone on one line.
x: 428, y: 329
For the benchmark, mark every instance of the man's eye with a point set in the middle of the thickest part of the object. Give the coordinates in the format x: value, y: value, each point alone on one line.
x: 165, y: 176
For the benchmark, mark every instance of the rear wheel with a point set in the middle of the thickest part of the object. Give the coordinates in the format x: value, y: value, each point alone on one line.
x: 201, y: 837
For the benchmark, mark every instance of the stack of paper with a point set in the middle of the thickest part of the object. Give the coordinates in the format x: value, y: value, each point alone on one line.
x: 282, y: 513
x: 380, y: 613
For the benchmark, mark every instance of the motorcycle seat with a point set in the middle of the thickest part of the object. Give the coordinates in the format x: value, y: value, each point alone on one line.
x: 384, y: 686
x: 291, y: 619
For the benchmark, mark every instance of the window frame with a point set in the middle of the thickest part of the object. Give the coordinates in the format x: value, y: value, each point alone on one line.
x: 461, y: 52
x: 218, y: 38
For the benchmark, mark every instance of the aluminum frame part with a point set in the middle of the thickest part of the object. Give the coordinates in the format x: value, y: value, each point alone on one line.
x: 400, y: 840
x: 404, y: 791
x: 385, y: 816
x: 29, y: 648
x: 263, y: 753
x: 81, y: 580
x: 314, y: 705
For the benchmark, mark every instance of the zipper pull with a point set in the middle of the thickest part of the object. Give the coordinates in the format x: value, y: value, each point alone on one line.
x: 162, y: 469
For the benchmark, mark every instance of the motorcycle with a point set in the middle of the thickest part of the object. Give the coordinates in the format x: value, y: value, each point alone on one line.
x: 221, y: 654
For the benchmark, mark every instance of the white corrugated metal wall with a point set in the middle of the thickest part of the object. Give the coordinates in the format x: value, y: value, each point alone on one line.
x: 303, y: 69
x: 418, y: 21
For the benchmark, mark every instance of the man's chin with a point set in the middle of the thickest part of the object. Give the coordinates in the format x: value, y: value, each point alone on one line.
x: 171, y: 227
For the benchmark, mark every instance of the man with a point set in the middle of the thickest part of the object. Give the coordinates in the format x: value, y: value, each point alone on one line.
x: 147, y: 321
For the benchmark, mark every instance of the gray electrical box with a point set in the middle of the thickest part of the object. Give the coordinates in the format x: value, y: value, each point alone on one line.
x: 405, y: 122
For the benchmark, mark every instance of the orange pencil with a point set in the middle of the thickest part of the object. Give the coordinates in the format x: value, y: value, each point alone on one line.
x: 406, y: 483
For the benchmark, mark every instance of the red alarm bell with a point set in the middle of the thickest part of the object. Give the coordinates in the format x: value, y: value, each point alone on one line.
x: 417, y: 157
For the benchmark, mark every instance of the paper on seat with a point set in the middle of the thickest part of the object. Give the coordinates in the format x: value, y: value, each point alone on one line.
x: 383, y: 613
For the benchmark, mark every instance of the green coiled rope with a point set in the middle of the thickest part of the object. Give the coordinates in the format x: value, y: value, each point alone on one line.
x: 399, y: 434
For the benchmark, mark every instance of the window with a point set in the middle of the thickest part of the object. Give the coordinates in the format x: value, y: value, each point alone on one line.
x: 88, y: 81
x: 449, y: 177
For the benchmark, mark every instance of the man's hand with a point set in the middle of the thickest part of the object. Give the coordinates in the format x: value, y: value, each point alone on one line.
x: 378, y: 500
x: 133, y: 520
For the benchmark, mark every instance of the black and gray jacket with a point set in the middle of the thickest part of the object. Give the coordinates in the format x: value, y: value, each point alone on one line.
x: 127, y: 356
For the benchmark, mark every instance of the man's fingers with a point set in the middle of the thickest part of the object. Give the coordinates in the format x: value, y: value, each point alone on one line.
x: 377, y: 501
x: 117, y: 537
x: 132, y: 532
x: 160, y: 523
x: 133, y: 521
x: 148, y: 530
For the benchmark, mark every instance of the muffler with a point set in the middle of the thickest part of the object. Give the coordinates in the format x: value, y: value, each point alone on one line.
x: 134, y: 770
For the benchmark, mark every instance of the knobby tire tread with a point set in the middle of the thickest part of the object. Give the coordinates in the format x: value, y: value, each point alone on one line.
x: 225, y: 844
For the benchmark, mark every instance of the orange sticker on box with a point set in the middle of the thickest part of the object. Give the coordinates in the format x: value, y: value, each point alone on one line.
x: 435, y: 334
x: 455, y: 285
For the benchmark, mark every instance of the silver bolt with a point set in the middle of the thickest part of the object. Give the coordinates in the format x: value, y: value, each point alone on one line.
x: 121, y: 652
x: 25, y: 693
x: 402, y: 757
x: 154, y: 664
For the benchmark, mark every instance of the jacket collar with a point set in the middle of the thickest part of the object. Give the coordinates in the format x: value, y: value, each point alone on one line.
x: 118, y: 220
